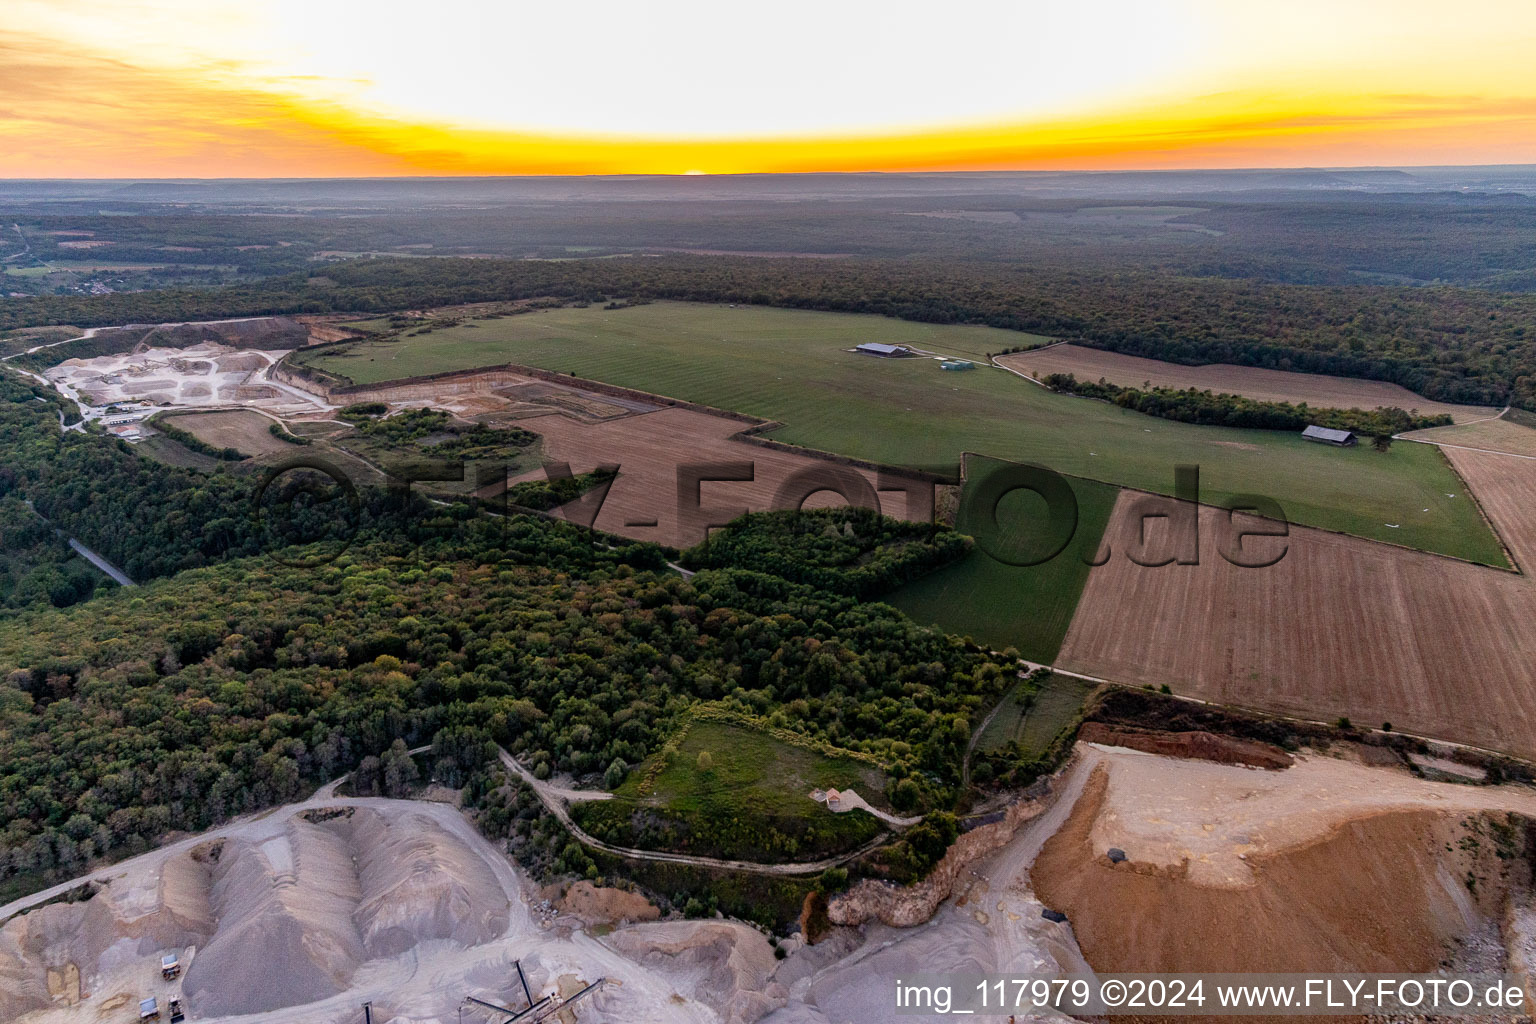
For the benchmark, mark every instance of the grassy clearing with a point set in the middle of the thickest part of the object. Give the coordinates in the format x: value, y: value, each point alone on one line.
x: 1033, y: 717
x: 751, y: 802
x: 171, y: 452
x: 245, y: 431
x: 1001, y: 605
x: 793, y: 366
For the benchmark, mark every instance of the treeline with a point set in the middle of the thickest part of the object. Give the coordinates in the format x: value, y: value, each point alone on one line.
x: 854, y: 551
x: 444, y: 437
x: 280, y: 432
x: 1449, y: 344
x: 1189, y: 405
x: 764, y: 836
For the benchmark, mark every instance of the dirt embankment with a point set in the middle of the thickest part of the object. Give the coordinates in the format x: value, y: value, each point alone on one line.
x: 1202, y: 746
x: 599, y: 905
x: 1383, y: 892
x: 725, y: 965
x: 906, y: 906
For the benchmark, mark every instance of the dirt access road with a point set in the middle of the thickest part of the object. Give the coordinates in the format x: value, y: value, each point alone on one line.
x: 556, y: 799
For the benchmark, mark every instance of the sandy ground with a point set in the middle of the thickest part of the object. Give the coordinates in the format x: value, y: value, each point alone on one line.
x: 850, y: 800
x: 1339, y: 626
x: 1254, y: 382
x: 1328, y: 865
x: 1220, y: 820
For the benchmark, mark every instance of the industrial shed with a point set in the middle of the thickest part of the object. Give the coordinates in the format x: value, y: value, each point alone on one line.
x: 875, y: 348
x: 1327, y: 435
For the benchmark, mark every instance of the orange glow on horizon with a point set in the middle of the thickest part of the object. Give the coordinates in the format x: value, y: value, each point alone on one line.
x: 216, y: 101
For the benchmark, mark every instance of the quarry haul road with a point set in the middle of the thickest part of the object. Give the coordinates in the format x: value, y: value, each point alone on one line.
x: 555, y: 798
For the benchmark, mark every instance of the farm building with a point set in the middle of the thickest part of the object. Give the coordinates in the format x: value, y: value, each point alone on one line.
x: 834, y: 799
x: 1326, y: 435
x: 875, y: 348
x: 957, y: 364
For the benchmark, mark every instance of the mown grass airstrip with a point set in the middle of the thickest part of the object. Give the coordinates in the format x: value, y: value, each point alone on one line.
x: 794, y: 366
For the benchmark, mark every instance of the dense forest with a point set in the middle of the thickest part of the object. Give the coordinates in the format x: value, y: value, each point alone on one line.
x: 231, y: 688
x: 853, y: 551
x: 37, y: 566
x: 1449, y: 344
x: 1284, y: 229
x: 1191, y: 405
x: 242, y: 679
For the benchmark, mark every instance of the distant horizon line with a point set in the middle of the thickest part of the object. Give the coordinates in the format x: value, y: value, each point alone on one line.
x: 991, y: 172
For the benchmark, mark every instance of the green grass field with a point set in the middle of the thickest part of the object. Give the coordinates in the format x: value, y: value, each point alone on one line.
x: 752, y: 803
x: 793, y: 366
x: 1002, y: 605
x: 1033, y: 718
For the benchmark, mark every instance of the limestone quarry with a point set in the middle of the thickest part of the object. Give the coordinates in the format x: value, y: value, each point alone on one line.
x: 306, y: 912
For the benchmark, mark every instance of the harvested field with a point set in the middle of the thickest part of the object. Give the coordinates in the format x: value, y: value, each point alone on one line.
x: 1339, y: 626
x: 240, y: 429
x: 1498, y: 435
x: 1231, y: 869
x: 650, y: 449
x: 1506, y: 488
x: 1316, y: 390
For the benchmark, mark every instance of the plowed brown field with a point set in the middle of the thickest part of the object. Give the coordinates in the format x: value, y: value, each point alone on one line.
x: 1339, y: 626
x: 650, y: 449
x: 1316, y: 390
x: 1505, y: 486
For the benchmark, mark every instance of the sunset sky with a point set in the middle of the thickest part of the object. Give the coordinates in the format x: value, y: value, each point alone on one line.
x: 215, y: 88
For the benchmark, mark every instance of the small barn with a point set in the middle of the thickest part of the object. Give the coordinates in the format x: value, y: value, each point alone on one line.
x: 957, y: 364
x: 834, y: 800
x: 1327, y: 435
x: 875, y: 348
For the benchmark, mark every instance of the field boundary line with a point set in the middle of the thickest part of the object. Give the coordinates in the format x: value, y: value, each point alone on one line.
x: 1464, y: 447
